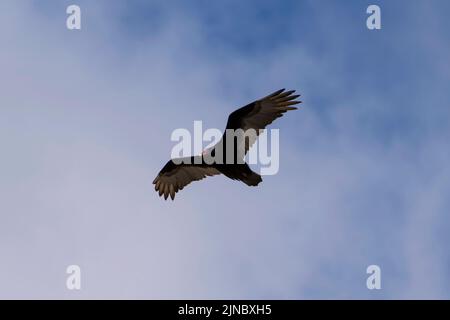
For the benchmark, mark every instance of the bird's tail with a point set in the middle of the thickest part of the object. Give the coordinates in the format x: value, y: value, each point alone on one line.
x: 250, y: 177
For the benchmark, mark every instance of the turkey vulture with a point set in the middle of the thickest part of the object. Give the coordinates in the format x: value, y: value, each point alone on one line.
x: 178, y: 173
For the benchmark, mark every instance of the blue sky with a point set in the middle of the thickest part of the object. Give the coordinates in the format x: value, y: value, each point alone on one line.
x: 85, y: 125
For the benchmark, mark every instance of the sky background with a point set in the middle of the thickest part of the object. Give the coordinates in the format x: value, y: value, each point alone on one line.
x: 85, y: 124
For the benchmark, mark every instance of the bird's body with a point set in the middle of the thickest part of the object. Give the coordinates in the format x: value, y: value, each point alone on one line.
x: 229, y: 161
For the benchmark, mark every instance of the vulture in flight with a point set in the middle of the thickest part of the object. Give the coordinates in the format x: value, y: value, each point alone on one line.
x: 178, y: 173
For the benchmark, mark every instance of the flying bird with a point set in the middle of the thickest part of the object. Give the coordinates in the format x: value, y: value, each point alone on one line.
x: 178, y: 173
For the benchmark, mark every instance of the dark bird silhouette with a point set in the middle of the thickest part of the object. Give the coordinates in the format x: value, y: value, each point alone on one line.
x: 178, y: 173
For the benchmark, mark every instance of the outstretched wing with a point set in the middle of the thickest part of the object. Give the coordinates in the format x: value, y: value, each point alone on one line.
x: 260, y: 113
x: 175, y: 175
